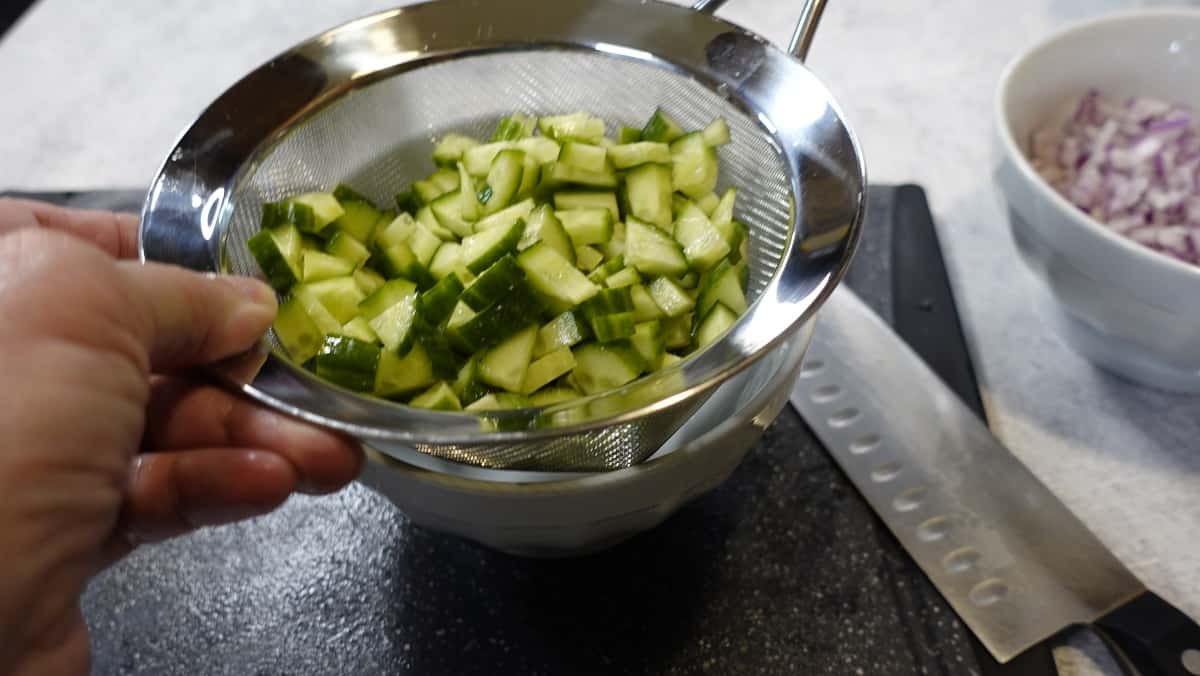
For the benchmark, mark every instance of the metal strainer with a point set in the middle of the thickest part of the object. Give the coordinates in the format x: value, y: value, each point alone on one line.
x: 363, y: 103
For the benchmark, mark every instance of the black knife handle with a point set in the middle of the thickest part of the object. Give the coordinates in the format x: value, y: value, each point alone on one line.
x: 1152, y: 638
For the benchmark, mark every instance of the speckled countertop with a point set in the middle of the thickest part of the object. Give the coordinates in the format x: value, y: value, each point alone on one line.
x: 96, y: 92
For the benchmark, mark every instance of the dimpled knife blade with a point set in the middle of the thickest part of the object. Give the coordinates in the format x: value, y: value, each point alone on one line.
x: 1012, y: 561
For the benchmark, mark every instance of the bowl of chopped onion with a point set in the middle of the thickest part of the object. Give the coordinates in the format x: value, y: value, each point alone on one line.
x: 1098, y: 130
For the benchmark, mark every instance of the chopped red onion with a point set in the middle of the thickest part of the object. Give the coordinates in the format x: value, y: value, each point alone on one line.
x: 1132, y: 165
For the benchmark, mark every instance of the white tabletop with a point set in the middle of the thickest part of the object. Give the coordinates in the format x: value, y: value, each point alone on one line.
x: 97, y: 93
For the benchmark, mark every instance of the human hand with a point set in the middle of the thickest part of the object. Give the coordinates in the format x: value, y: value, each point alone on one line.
x: 104, y: 442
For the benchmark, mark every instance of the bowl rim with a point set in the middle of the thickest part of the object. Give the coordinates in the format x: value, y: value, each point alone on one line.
x: 1015, y: 150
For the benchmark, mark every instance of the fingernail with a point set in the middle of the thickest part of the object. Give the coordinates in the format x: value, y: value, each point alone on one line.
x: 253, y: 289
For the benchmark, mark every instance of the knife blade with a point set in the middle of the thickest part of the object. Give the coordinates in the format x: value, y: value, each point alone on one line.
x: 1015, y: 564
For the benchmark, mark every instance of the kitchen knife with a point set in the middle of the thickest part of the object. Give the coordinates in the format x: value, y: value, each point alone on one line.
x: 1012, y: 561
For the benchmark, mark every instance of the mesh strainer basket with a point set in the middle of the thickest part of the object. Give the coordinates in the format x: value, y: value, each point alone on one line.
x: 364, y: 102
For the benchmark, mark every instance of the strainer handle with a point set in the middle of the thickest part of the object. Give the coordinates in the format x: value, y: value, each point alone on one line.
x: 806, y: 25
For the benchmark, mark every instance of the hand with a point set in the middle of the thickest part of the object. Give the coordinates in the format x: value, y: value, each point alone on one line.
x: 103, y: 443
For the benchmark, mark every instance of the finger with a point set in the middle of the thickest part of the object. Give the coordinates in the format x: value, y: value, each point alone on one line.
x: 185, y: 415
x: 115, y: 233
x: 185, y: 318
x: 172, y: 493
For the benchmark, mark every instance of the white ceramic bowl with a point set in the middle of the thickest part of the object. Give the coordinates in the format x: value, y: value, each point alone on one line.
x: 1129, y: 309
x: 546, y: 514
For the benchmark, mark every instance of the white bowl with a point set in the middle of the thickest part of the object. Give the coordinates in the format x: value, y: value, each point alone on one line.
x: 563, y: 514
x: 1131, y: 310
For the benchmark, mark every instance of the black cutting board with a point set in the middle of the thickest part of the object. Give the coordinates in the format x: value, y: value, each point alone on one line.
x: 783, y: 569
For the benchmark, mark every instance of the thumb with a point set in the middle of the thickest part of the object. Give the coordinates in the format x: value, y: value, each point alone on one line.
x: 186, y: 318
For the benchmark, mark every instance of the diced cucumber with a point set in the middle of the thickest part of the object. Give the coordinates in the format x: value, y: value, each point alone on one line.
x: 557, y: 173
x: 494, y: 283
x: 651, y: 251
x: 541, y: 149
x: 607, y: 302
x: 723, y: 212
x: 432, y: 338
x: 647, y: 340
x: 449, y: 150
x: 424, y: 244
x: 648, y: 190
x: 693, y: 166
x: 677, y: 332
x: 573, y: 127
x: 716, y: 133
x: 503, y: 180
x: 425, y: 217
x: 408, y: 200
x: 339, y: 295
x: 625, y: 277
x: 325, y: 208
x: 531, y: 175
x: 504, y: 365
x: 553, y: 395
x: 482, y: 249
x: 447, y: 259
x: 506, y: 217
x: 703, y: 245
x: 399, y: 261
x: 587, y: 200
x: 399, y: 376
x: 396, y: 232
x: 644, y: 307
x: 554, y: 277
x: 603, y: 367
x: 514, y: 127
x: 346, y: 247
x: 726, y: 284
x: 629, y: 135
x: 565, y: 330
x: 390, y: 311
x: 500, y: 235
x: 498, y: 401
x: 670, y: 299
x: 493, y: 325
x: 358, y: 328
x: 543, y: 226
x: 467, y: 385
x: 584, y: 156
x: 436, y: 304
x: 348, y: 362
x: 319, y: 266
x: 440, y: 397
x: 739, y: 242
x: 719, y: 319
x: 612, y: 327
x: 478, y: 160
x: 661, y: 128
x: 615, y: 247
x: 456, y: 211
x: 587, y: 226
x: 344, y: 194
x: 297, y: 332
x: 287, y: 212
x: 316, y: 310
x: 546, y: 369
x: 278, y: 253
x: 357, y: 220
x: 587, y: 258
x: 634, y: 154
x: 441, y: 182
x: 709, y: 203
x: 610, y: 267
